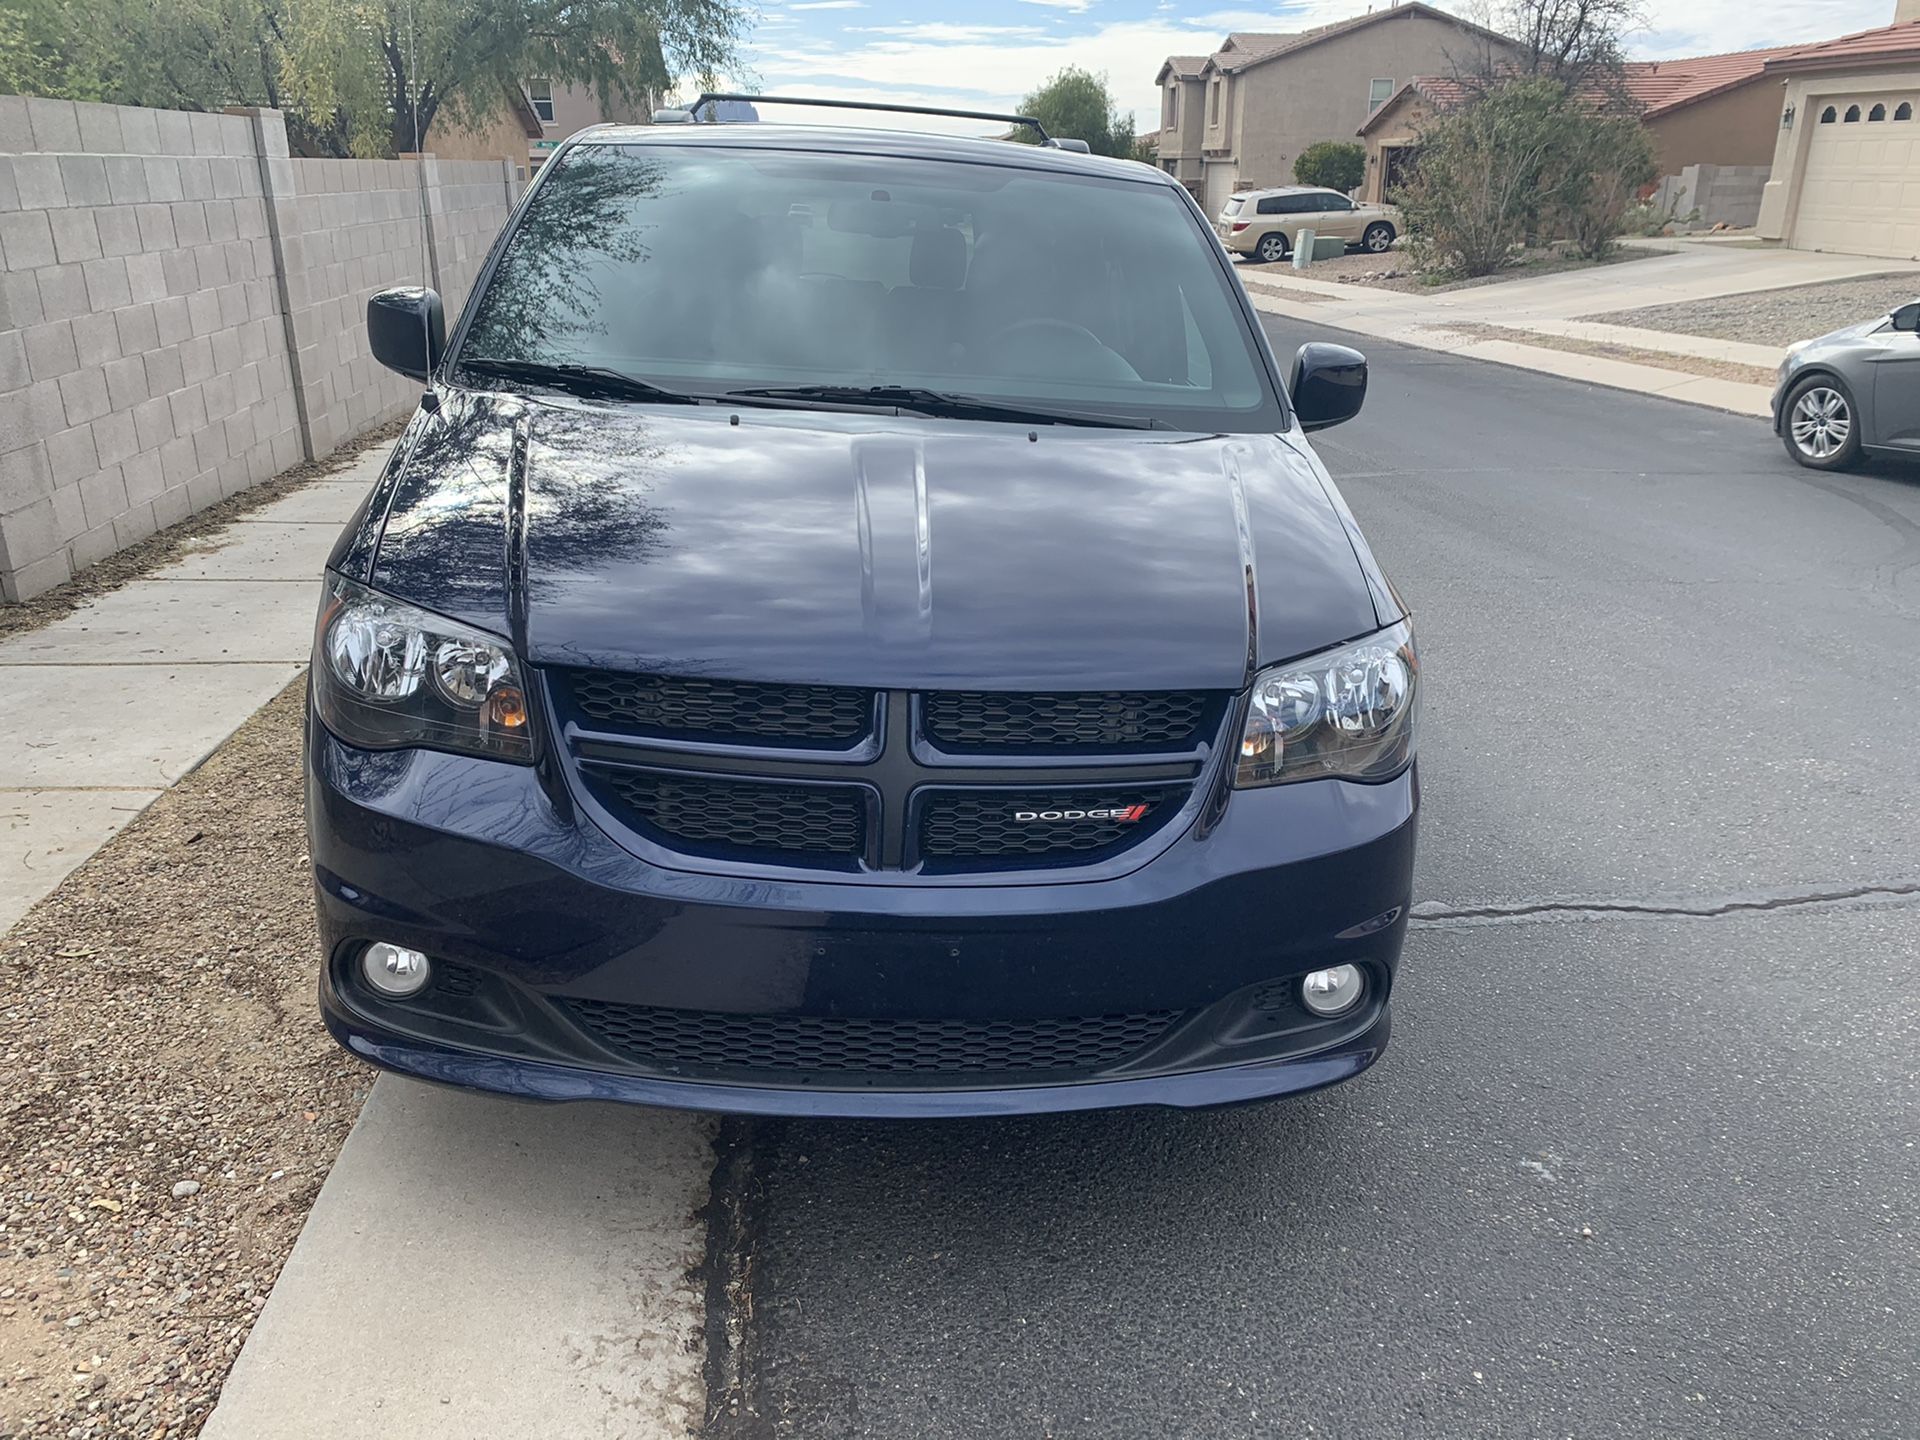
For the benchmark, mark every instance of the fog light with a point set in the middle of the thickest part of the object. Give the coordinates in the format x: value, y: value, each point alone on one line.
x: 1333, y: 992
x: 394, y: 970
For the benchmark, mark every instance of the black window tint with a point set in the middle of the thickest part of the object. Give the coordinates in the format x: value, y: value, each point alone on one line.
x: 1852, y: 116
x: 1273, y: 205
x: 1331, y: 201
x: 1828, y: 116
x: 1878, y: 112
x: 704, y: 267
x: 1903, y: 111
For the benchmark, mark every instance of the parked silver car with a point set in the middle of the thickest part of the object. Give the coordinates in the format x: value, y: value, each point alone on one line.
x: 1854, y: 392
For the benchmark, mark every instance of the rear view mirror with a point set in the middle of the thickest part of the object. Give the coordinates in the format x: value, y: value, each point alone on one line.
x: 1907, y: 317
x: 407, y: 329
x: 1329, y: 385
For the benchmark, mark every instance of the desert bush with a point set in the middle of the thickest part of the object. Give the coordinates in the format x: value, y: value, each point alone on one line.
x: 1519, y: 160
x: 1337, y: 164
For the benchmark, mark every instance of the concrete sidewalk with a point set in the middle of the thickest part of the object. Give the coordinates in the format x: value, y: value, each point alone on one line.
x: 1550, y: 304
x: 471, y: 1267
x: 113, y: 703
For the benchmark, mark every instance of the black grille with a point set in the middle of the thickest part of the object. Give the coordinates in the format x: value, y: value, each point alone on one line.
x: 979, y: 721
x: 800, y: 1045
x: 814, y: 820
x: 987, y: 825
x: 720, y: 709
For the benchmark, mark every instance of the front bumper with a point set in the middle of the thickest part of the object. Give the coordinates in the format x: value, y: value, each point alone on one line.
x: 546, y: 919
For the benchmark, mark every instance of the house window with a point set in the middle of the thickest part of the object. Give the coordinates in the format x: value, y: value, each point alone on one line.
x: 1213, y: 101
x: 1829, y: 115
x: 1853, y: 115
x: 1878, y: 112
x: 540, y: 96
x: 1903, y: 111
x: 1170, y: 112
x: 1378, y: 93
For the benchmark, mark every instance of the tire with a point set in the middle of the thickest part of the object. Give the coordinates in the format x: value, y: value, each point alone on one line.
x: 1820, y: 424
x: 1272, y: 248
x: 1378, y: 238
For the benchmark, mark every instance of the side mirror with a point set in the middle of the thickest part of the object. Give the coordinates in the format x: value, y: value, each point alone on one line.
x: 407, y: 329
x: 1907, y: 317
x: 1329, y: 385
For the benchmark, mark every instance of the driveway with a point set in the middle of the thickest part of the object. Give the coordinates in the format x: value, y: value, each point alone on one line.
x: 1643, y: 1159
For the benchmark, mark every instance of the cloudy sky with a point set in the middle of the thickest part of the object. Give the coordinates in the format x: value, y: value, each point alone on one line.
x: 985, y: 54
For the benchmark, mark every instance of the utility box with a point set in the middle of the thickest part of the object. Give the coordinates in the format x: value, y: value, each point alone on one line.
x: 1309, y: 247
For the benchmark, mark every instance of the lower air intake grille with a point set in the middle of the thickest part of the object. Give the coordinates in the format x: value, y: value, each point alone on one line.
x: 1121, y: 720
x: 721, y: 709
x: 695, y: 810
x: 799, y: 1045
x: 991, y: 825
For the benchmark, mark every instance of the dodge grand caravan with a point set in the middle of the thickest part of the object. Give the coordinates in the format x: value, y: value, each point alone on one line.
x: 835, y: 640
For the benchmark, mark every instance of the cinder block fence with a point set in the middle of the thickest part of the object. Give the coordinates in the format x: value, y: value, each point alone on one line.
x: 182, y: 312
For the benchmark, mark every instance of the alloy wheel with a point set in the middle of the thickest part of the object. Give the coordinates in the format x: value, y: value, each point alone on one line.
x: 1822, y: 422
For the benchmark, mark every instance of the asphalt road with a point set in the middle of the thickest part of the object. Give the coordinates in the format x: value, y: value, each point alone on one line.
x: 1625, y: 1171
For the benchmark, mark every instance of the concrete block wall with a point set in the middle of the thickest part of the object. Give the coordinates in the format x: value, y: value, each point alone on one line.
x: 351, y: 227
x: 182, y: 312
x: 1722, y: 194
x: 143, y: 369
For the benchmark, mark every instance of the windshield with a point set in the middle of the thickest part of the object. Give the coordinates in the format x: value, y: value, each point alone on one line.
x: 704, y: 269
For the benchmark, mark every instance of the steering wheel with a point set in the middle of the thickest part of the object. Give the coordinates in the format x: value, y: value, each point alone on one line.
x: 1072, y: 346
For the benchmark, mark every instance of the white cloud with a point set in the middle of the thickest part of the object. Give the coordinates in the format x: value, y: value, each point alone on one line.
x: 939, y: 32
x: 989, y: 67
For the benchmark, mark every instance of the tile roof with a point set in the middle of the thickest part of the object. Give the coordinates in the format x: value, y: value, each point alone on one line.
x: 1889, y: 42
x: 1661, y: 86
x: 1664, y: 85
x: 1185, y: 64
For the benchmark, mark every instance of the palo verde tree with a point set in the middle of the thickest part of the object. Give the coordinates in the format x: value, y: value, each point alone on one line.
x: 1076, y: 104
x: 359, y: 77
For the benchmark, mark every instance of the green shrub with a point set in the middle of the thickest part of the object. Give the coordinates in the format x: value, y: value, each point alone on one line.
x: 1520, y: 160
x: 1337, y: 164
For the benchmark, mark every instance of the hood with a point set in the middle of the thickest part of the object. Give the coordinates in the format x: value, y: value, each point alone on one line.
x: 1849, y: 332
x: 838, y: 548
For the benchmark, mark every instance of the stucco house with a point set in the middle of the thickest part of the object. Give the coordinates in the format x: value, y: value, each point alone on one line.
x: 1237, y: 118
x: 1714, y: 111
x: 1846, y: 159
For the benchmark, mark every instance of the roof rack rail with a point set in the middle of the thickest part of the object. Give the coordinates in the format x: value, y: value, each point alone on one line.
x: 692, y: 113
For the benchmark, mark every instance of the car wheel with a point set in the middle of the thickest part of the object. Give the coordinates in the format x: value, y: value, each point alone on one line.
x: 1379, y: 237
x: 1822, y: 428
x: 1272, y: 247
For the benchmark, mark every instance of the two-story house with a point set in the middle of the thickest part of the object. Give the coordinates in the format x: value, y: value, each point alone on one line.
x: 1236, y: 119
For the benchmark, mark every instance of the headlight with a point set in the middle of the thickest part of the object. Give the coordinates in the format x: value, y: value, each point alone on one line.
x: 386, y: 675
x: 1348, y: 713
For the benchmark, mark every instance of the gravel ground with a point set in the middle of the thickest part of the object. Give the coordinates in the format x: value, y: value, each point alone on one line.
x: 1393, y: 271
x: 1776, y: 317
x: 1665, y: 360
x: 169, y: 1103
x: 165, y: 546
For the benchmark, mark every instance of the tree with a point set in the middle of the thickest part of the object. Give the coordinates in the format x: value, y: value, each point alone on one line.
x: 357, y: 76
x: 1577, y: 43
x: 1523, y: 157
x: 1076, y: 104
x: 1337, y: 164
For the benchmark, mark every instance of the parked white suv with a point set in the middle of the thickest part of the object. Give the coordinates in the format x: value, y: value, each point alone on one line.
x: 1262, y: 223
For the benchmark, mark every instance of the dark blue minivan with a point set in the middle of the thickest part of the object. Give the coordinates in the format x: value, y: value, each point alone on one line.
x: 856, y: 627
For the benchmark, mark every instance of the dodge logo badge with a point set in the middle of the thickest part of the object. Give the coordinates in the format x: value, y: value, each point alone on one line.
x: 1126, y: 814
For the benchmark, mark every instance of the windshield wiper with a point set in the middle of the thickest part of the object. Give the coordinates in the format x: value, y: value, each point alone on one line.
x: 945, y: 403
x: 592, y: 381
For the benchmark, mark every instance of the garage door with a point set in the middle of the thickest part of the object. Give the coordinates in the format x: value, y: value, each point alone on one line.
x: 1860, y: 191
x: 1220, y: 182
